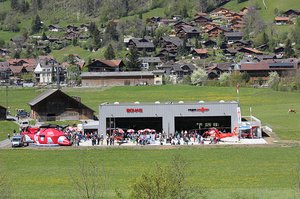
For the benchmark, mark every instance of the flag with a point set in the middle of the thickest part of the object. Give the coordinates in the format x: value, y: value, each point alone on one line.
x: 237, y: 88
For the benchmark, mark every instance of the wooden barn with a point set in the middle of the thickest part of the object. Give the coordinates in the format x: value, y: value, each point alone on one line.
x: 55, y: 105
x: 2, y: 113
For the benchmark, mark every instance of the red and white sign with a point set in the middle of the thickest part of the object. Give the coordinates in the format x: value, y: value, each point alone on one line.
x: 134, y: 110
x: 202, y: 109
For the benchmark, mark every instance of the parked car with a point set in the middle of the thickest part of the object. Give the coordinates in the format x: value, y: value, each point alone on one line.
x: 18, y: 141
x: 21, y: 113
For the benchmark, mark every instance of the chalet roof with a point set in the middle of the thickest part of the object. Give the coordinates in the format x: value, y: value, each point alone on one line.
x: 282, y: 18
x: 268, y: 65
x: 117, y: 74
x: 201, y: 51
x: 142, y: 43
x: 179, y: 67
x: 174, y: 40
x: 150, y: 59
x: 190, y: 29
x: 297, y: 12
x: 48, y: 93
x: 233, y: 34
x: 225, y: 66
x: 112, y: 63
x: 252, y: 50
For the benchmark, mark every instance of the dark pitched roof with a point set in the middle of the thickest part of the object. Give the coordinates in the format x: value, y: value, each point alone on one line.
x: 174, y: 40
x: 48, y: 93
x: 42, y: 96
x: 142, y: 43
x: 233, y: 34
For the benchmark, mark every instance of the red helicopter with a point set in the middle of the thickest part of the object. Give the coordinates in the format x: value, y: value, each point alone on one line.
x: 47, y: 135
x: 219, y: 135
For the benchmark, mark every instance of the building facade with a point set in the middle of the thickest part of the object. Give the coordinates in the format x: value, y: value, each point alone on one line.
x: 170, y: 117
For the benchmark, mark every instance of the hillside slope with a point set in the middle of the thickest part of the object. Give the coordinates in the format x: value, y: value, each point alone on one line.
x: 267, y: 11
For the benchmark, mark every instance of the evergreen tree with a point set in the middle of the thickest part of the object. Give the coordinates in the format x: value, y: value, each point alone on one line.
x: 14, y: 4
x: 109, y: 53
x: 133, y: 63
x: 36, y: 25
x: 24, y: 6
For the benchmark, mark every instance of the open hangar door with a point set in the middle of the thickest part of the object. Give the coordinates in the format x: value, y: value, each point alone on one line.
x: 202, y: 124
x: 136, y: 123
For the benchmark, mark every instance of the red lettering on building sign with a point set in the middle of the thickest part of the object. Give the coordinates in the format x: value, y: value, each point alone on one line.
x: 134, y: 110
x: 202, y: 109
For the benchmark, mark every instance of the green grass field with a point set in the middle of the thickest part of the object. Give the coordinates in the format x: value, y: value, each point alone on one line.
x: 266, y: 12
x: 224, y: 172
x: 268, y: 105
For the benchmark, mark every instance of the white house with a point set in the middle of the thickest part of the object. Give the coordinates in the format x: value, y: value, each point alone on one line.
x: 43, y: 71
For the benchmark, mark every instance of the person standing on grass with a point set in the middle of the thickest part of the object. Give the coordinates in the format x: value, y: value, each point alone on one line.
x: 8, y: 136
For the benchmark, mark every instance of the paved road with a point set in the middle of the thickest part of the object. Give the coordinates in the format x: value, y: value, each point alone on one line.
x: 5, y: 143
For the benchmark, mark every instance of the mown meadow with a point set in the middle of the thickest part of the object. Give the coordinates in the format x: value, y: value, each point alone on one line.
x: 221, y: 172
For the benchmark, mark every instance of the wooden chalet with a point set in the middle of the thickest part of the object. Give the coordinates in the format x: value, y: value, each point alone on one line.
x: 132, y: 78
x: 3, y: 112
x: 263, y: 68
x: 233, y: 36
x: 202, y: 53
x: 55, y: 105
x: 168, y: 42
x: 215, y: 31
x: 282, y: 20
x: 251, y: 51
x: 200, y: 20
x: 142, y: 44
x: 188, y: 32
x: 292, y: 13
x: 105, y: 65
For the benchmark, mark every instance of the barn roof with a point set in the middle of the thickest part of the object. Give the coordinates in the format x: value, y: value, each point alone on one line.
x: 48, y: 93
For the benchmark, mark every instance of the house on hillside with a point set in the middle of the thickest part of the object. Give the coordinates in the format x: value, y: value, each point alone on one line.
x: 55, y: 105
x: 4, y: 52
x: 261, y: 70
x: 142, y: 44
x: 282, y: 20
x: 105, y: 65
x: 233, y: 36
x: 3, y: 112
x: 200, y: 20
x: 54, y: 28
x: 250, y: 51
x: 46, y: 70
x: 149, y: 61
x: 292, y: 13
x: 187, y: 32
x: 202, y: 53
x: 132, y: 78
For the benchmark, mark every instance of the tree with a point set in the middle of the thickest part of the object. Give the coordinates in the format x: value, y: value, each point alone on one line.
x: 109, y: 53
x: 14, y: 4
x: 133, y: 63
x: 166, y: 182
x: 24, y: 6
x: 273, y: 80
x: 73, y: 75
x: 91, y: 181
x: 199, y: 77
x: 225, y: 79
x: 36, y: 25
x: 288, y: 50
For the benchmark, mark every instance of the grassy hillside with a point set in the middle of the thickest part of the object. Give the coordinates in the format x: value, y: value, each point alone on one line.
x: 268, y: 105
x: 266, y: 12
